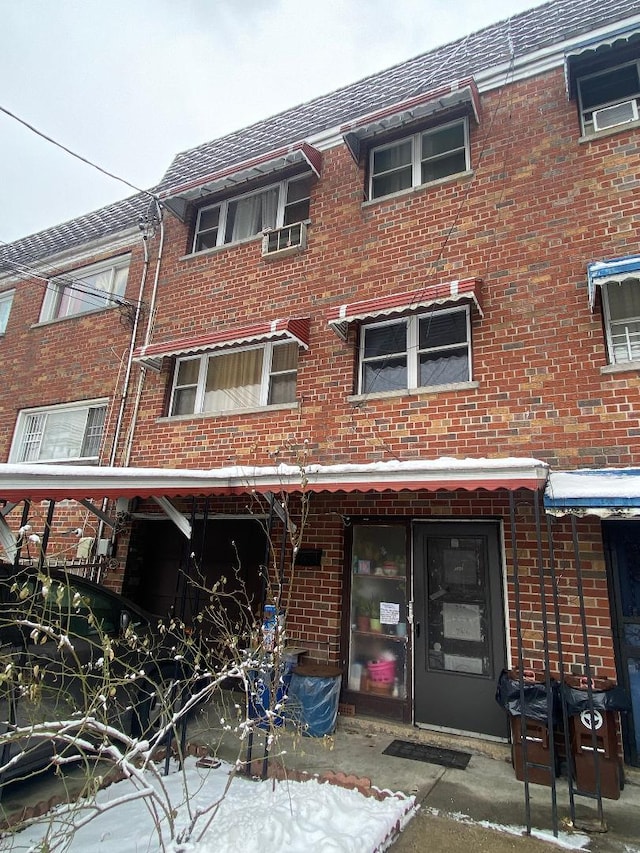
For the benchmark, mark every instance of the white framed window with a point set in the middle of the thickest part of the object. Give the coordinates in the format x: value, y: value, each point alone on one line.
x: 240, y: 378
x: 609, y: 98
x: 66, y: 433
x: 621, y: 313
x: 421, y: 351
x: 88, y: 289
x: 235, y: 219
x: 419, y: 159
x: 6, y: 300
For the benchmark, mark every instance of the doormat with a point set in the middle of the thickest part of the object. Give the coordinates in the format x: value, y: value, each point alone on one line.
x: 430, y: 754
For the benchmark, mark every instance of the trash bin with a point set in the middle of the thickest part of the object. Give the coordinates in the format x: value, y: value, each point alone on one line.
x: 314, y: 694
x: 529, y: 723
x: 601, y: 720
x: 262, y: 683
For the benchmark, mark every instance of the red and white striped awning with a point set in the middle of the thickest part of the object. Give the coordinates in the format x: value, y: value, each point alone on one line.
x: 430, y: 296
x: 81, y: 482
x: 293, y: 330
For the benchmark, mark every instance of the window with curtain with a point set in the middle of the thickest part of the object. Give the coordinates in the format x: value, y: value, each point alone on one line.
x: 88, y: 289
x: 235, y: 379
x: 419, y: 159
x: 243, y: 217
x: 421, y: 351
x: 6, y: 300
x: 59, y: 433
x: 621, y: 311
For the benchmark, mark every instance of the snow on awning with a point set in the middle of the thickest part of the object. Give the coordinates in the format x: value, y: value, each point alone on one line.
x: 430, y: 296
x: 459, y: 93
x: 581, y: 56
x: 616, y: 270
x: 58, y: 482
x: 603, y: 492
x: 265, y: 165
x: 292, y: 330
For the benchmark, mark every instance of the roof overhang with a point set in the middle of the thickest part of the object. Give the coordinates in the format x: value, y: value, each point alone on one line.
x: 461, y: 93
x: 429, y: 296
x: 62, y: 482
x: 603, y: 49
x: 292, y: 330
x: 602, y: 492
x: 267, y: 165
x: 616, y: 270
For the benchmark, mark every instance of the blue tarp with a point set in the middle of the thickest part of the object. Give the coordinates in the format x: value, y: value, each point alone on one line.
x: 597, y: 491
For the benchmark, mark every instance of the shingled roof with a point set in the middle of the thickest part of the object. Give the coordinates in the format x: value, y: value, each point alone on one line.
x: 521, y: 35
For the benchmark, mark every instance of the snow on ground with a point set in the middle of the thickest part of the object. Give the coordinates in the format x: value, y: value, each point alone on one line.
x: 253, y: 817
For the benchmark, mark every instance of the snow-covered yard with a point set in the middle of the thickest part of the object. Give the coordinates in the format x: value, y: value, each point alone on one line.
x: 251, y: 817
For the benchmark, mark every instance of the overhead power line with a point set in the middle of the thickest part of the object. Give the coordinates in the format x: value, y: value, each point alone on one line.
x: 73, y: 153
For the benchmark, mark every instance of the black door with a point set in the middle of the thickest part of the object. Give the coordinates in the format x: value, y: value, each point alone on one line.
x: 622, y: 542
x: 459, y: 629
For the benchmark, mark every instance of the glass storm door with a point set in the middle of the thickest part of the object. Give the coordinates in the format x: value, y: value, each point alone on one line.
x: 459, y: 630
x: 623, y: 551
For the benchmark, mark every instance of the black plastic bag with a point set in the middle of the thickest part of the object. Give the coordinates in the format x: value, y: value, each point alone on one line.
x: 509, y: 696
x: 614, y: 698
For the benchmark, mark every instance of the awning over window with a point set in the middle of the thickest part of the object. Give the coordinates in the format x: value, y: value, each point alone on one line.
x: 582, y: 57
x: 430, y: 296
x: 614, y: 270
x: 294, y: 330
x: 603, y: 492
x: 266, y: 165
x: 459, y: 93
x: 58, y: 482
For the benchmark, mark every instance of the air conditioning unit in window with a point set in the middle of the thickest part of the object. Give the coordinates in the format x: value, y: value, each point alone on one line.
x: 615, y: 115
x: 285, y: 240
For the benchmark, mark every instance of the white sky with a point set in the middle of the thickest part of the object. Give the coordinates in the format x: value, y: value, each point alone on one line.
x: 130, y: 84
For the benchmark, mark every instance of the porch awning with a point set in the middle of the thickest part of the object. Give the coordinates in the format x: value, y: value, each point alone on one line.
x: 615, y: 270
x: 583, y: 55
x: 293, y: 330
x: 430, y: 296
x: 460, y: 93
x: 603, y: 492
x: 177, y: 199
x: 57, y: 482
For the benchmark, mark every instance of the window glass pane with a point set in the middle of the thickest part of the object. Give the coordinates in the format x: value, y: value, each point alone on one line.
x: 624, y: 300
x: 63, y: 434
x: 610, y: 86
x: 444, y: 368
x: 440, y: 141
x: 385, y: 340
x: 209, y: 218
x: 249, y: 216
x: 298, y: 190
x: 433, y: 170
x: 5, y: 308
x: 188, y: 372
x: 393, y: 157
x: 32, y: 435
x: 285, y: 357
x: 93, y: 431
x: 442, y: 329
x: 388, y: 374
x: 282, y: 388
x: 233, y: 380
x: 184, y: 401
x: 392, y: 169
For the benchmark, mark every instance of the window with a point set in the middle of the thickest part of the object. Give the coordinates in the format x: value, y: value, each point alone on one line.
x: 235, y: 379
x: 88, y: 289
x: 419, y: 159
x: 59, y: 433
x: 416, y: 352
x: 6, y: 300
x: 621, y: 311
x: 609, y: 98
x: 240, y: 218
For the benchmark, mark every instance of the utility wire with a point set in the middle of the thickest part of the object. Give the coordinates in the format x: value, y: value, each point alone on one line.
x: 73, y: 153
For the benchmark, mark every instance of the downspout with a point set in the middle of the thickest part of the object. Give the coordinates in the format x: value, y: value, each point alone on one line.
x: 147, y: 338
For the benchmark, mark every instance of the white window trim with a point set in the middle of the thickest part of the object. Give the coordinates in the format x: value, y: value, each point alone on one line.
x: 6, y: 298
x: 57, y: 285
x: 416, y: 158
x: 412, y: 353
x: 608, y: 323
x: 18, y: 436
x: 223, y: 205
x: 198, y: 408
x: 587, y: 129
